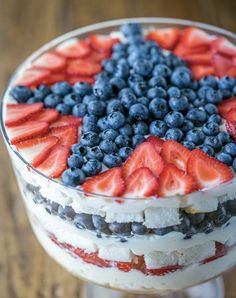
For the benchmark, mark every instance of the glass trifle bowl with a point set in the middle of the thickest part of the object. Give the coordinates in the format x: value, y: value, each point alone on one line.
x: 143, y: 245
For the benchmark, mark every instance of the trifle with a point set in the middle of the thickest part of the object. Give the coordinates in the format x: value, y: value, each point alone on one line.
x: 122, y: 138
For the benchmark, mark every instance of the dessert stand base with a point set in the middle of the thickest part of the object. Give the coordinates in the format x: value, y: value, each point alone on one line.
x: 211, y: 289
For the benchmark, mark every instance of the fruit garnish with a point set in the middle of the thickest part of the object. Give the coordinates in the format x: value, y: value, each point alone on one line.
x: 194, y: 37
x: 207, y: 171
x: 18, y: 113
x: 221, y: 64
x: 200, y: 71
x: 181, y: 50
x: 156, y: 142
x: 109, y: 183
x: 55, y: 78
x: 47, y: 115
x: 102, y: 42
x: 74, y: 49
x: 166, y: 38
x: 199, y: 58
x: 67, y: 135
x: 231, y: 128
x: 141, y: 183
x: 221, y: 251
x: 145, y: 155
x: 227, y: 105
x: 175, y: 153
x: 51, y: 61
x: 35, y: 150
x: 32, y: 77
x: 83, y: 68
x: 74, y: 79
x: 223, y: 46
x: 67, y: 120
x: 124, y: 266
x: 173, y: 181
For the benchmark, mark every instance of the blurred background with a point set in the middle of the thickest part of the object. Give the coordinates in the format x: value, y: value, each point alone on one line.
x: 25, y: 269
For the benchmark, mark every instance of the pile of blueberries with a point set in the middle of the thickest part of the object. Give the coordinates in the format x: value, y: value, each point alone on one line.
x: 142, y: 90
x: 190, y: 223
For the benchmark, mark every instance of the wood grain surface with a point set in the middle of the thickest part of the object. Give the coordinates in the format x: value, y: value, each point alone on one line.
x: 26, y: 271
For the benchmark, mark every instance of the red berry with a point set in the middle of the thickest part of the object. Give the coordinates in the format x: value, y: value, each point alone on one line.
x: 74, y: 49
x: 223, y: 46
x: 83, y: 68
x: 166, y: 38
x: 102, y: 42
x: 157, y: 143
x: 67, y: 135
x: 47, y: 115
x: 32, y: 77
x: 51, y: 61
x: 67, y: 120
x: 193, y: 37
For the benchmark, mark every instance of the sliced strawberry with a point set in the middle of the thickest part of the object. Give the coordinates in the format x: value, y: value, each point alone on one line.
x: 74, y: 49
x: 51, y: 61
x: 223, y: 46
x: 124, y: 266
x: 207, y: 171
x: 75, y: 79
x: 55, y: 78
x: 26, y: 131
x: 32, y: 77
x: 231, y: 72
x: 102, y: 42
x: 18, y: 113
x: 67, y: 135
x: 35, y: 150
x: 175, y: 153
x: 181, y: 50
x: 109, y: 183
x: 200, y: 71
x: 56, y: 162
x: 162, y: 271
x: 221, y: 251
x: 231, y: 128
x: 92, y: 258
x: 47, y: 115
x: 145, y: 155
x: 173, y: 181
x: 83, y: 68
x: 95, y: 56
x: 230, y: 116
x: 141, y: 183
x: 193, y: 37
x: 199, y: 58
x: 166, y: 38
x: 221, y: 64
x: 156, y: 142
x: 227, y: 105
x: 67, y: 120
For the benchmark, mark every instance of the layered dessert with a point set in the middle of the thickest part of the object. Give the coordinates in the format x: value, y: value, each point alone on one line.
x: 124, y: 150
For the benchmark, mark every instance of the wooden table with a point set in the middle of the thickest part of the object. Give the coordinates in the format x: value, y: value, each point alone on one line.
x: 26, y: 271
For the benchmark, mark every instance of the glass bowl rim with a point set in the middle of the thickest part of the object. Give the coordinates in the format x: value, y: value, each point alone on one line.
x: 86, y: 30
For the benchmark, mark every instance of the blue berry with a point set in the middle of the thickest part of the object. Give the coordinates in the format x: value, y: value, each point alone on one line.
x: 224, y: 137
x: 128, y: 99
x: 52, y: 100
x: 108, y: 146
x: 125, y: 152
x: 122, y: 70
x: 33, y: 100
x: 92, y: 167
x: 196, y: 115
x: 196, y: 136
x: 41, y: 91
x: 102, y: 89
x: 117, y: 84
x: 210, y: 129
x: 79, y: 110
x: 162, y: 231
x: 63, y: 109
x: 215, y: 118
x: 96, y: 107
x: 140, y: 128
x: 72, y: 99
x: 161, y: 70
x: 120, y: 228
x: 116, y: 56
x: 186, y: 126
x: 158, y: 128
x: 103, y: 123
x: 158, y: 107
x: 208, y: 150
x: 119, y: 47
x: 52, y: 207
x: 99, y: 223
x: 79, y: 149
x: 226, y: 83
x: 82, y: 88
x: 234, y: 164
x: 225, y: 158
x: 89, y: 126
x: 90, y: 139
x: 210, y: 108
x: 84, y: 221
x: 109, y: 134
x: 73, y: 177
x: 156, y: 92
x: 157, y: 82
x: 189, y: 145
x: 178, y: 103
x: 138, y: 228
x: 140, y: 88
x: 213, y: 96
x: 214, y: 142
x: 88, y: 98
x: 189, y: 93
x: 133, y: 79
x: 122, y: 141
x: 199, y: 102
x: 21, y: 93
x: 75, y: 161
x: 174, y: 92
x: 180, y: 78
x: 109, y: 66
x: 126, y: 130
x: 112, y: 160
x: 143, y: 100
x: 174, y: 134
x: 61, y: 88
x: 131, y: 29
x: 226, y: 93
x: 209, y: 81
x: 66, y: 213
x: 95, y: 153
x: 174, y: 119
x: 136, y: 140
x: 234, y: 91
x: 230, y: 148
x: 116, y: 120
x: 143, y: 67
x: 90, y: 119
x: 139, y: 112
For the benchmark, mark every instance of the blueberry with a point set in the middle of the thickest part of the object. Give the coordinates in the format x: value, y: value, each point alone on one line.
x: 109, y: 134
x: 127, y: 100
x: 133, y: 79
x: 213, y: 96
x: 131, y: 29
x: 138, y: 228
x: 226, y: 83
x: 72, y: 99
x: 95, y: 153
x: 99, y: 223
x: 116, y: 120
x: 234, y: 164
x: 143, y: 100
x: 82, y: 88
x: 209, y: 81
x: 96, y: 107
x: 52, y: 207
x: 122, y: 141
x: 161, y: 70
x: 103, y: 123
x: 114, y: 105
x: 126, y: 130
x: 33, y: 100
x: 88, y: 98
x: 214, y: 142
x: 162, y: 231
x: 180, y: 78
x: 41, y: 91
x: 63, y: 108
x: 75, y: 161
x: 225, y: 158
x: 208, y: 150
x: 120, y: 228
x: 136, y: 140
x: 121, y: 70
x: 196, y: 136
x: 21, y: 93
x: 90, y: 139
x: 140, y: 88
x: 117, y: 84
x: 109, y: 66
x: 174, y: 134
x: 184, y: 226
x: 215, y: 118
x: 210, y: 129
x: 79, y: 149
x: 143, y: 67
x: 210, y: 108
x: 79, y: 110
x: 90, y: 119
x: 140, y: 128
x: 189, y: 93
x: 119, y: 47
x: 174, y: 119
x: 220, y: 215
x: 102, y: 89
x: 112, y: 160
x: 230, y: 148
x: 156, y: 92
x: 234, y: 91
x: 73, y: 177
x: 199, y: 102
x: 196, y: 115
x: 189, y: 145
x: 206, y: 227
x: 157, y: 82
x: 134, y: 56
x: 174, y: 92
x: 89, y: 126
x: 176, y: 61
x: 203, y: 90
x: 61, y: 88
x: 158, y: 107
x: 230, y: 206
x: 158, y: 128
x: 139, y: 112
x: 52, y: 100
x: 186, y: 126
x: 108, y: 146
x: 178, y: 103
x: 66, y: 213
x: 117, y: 56
x: 125, y: 152
x: 224, y: 137
x: 196, y: 218
x: 83, y: 221
x: 92, y: 167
